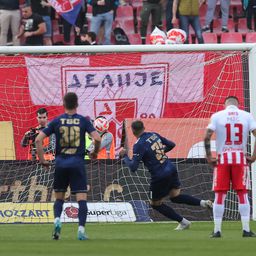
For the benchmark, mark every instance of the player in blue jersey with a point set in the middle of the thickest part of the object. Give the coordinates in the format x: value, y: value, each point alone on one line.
x: 69, y: 129
x: 151, y: 148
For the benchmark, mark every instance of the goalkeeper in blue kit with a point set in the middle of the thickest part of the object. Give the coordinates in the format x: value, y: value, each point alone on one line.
x: 151, y: 149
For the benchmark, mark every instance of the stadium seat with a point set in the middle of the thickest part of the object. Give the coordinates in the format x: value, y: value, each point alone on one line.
x: 138, y: 11
x: 250, y: 37
x: 89, y: 12
x: 242, y: 26
x: 134, y: 39
x: 203, y: 10
x: 126, y: 25
x: 136, y: 3
x: 232, y: 26
x: 58, y: 38
x: 231, y: 37
x: 148, y: 39
x: 55, y: 27
x: 217, y: 25
x: 124, y: 12
x: 235, y: 2
x: 149, y: 28
x: 210, y: 38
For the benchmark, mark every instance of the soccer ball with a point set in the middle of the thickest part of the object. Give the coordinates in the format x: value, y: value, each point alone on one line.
x: 176, y: 36
x: 101, y: 124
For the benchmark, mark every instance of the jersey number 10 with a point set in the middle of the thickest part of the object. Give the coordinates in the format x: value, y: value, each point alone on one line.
x: 237, y: 139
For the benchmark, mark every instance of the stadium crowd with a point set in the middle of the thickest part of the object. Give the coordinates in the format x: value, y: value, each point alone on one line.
x: 35, y: 22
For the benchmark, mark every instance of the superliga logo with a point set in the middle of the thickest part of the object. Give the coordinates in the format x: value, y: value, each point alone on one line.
x: 100, y: 212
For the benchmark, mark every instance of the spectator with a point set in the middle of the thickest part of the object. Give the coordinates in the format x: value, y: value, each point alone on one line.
x: 189, y: 15
x: 80, y: 21
x: 89, y: 37
x: 85, y: 38
x: 32, y: 26
x: 224, y: 13
x: 153, y: 7
x: 9, y: 16
x: 168, y: 12
x: 103, y: 12
x: 250, y: 8
x: 43, y: 8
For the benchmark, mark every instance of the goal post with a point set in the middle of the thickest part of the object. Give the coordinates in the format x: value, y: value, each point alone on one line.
x: 175, y: 88
x: 252, y: 82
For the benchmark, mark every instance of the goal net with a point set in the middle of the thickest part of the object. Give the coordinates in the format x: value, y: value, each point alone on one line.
x: 175, y: 92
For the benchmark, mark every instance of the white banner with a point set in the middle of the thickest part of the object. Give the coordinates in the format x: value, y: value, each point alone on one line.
x: 100, y: 212
x: 118, y: 92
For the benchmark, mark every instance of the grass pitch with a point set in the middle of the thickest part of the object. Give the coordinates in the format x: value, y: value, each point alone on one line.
x: 158, y: 239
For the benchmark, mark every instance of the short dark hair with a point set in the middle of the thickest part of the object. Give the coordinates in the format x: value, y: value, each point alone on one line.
x: 70, y: 100
x: 41, y: 111
x: 232, y: 97
x: 137, y: 126
x: 92, y: 35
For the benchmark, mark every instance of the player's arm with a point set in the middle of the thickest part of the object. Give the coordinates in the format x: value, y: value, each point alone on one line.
x: 106, y: 143
x: 169, y: 145
x: 207, y: 146
x: 253, y: 157
x: 133, y: 163
x: 39, y: 148
x: 97, y: 140
x: 46, y: 132
x: 174, y: 11
x: 25, y: 139
x: 252, y: 128
x: 50, y: 148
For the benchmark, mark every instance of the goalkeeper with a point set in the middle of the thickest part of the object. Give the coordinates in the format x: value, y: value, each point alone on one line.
x: 107, y: 147
x: 29, y: 137
x: 151, y: 148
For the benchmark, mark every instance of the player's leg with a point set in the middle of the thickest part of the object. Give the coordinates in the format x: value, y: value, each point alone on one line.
x: 218, y: 211
x: 81, y: 199
x: 60, y: 185
x: 159, y: 190
x: 78, y: 185
x: 178, y: 198
x: 240, y: 183
x: 221, y: 184
x: 58, y: 206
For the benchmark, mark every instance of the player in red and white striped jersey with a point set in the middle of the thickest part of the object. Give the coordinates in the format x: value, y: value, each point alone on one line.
x: 231, y: 126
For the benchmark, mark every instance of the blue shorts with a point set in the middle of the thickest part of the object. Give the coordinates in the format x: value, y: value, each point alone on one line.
x: 48, y: 23
x: 75, y: 177
x: 161, y: 188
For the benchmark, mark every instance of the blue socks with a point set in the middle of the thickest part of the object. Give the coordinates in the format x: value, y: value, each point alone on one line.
x: 82, y: 213
x: 57, y: 207
x: 168, y: 212
x: 186, y: 199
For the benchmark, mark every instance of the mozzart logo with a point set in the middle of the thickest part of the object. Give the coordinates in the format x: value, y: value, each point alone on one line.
x: 24, y: 213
